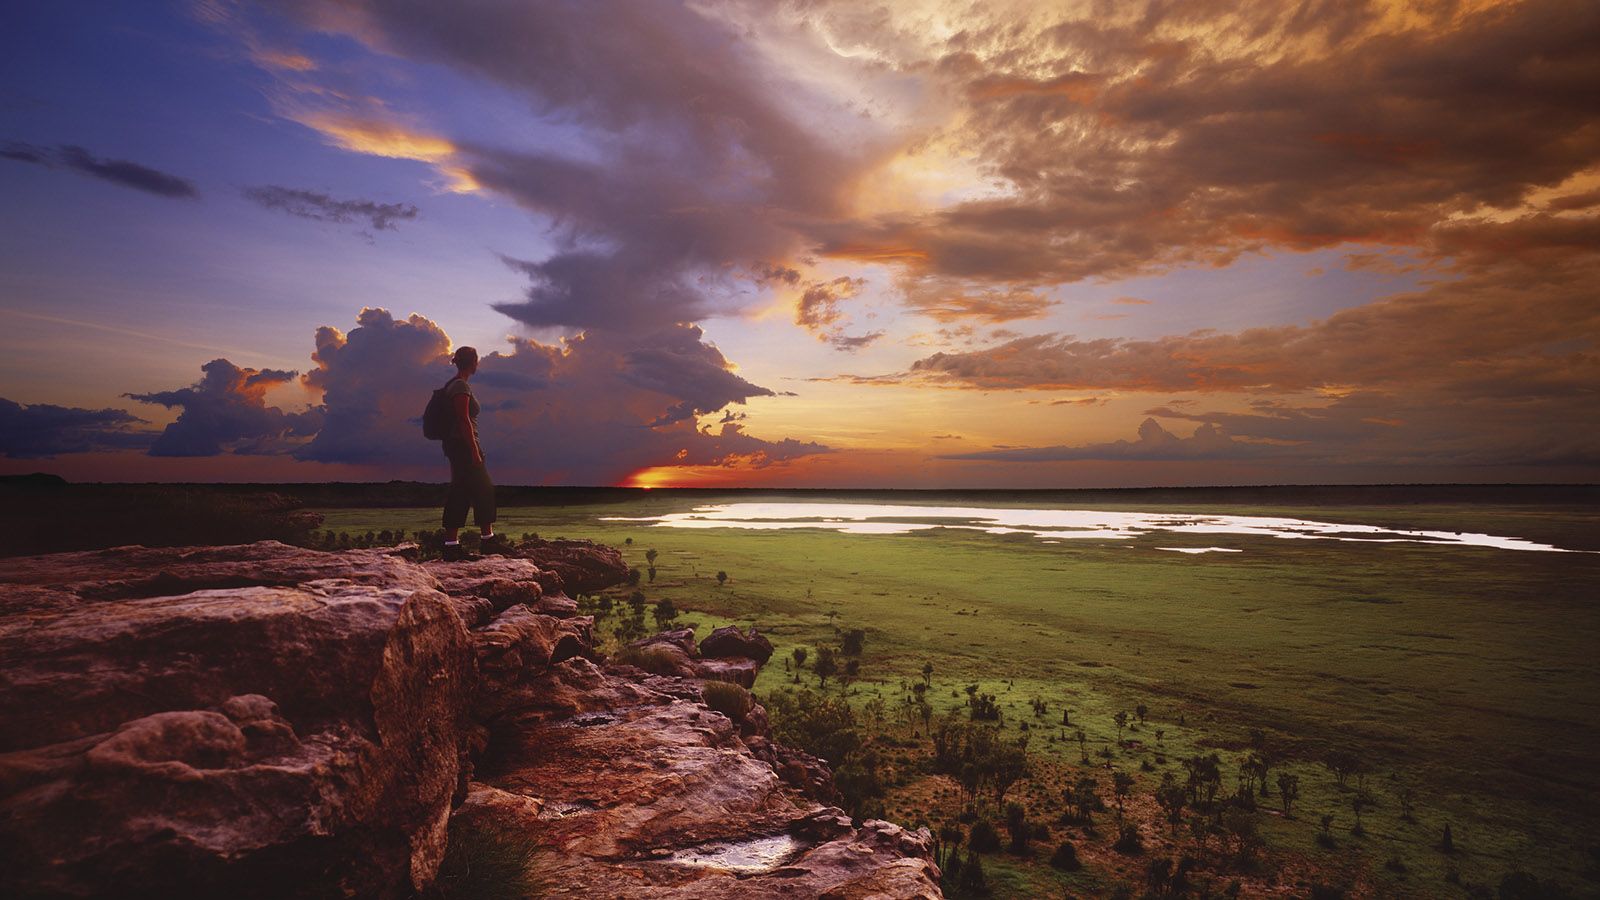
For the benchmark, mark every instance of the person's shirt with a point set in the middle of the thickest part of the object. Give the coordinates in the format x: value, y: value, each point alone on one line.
x: 456, y: 388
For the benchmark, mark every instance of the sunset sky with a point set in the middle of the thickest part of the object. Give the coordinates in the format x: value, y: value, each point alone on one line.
x: 807, y: 243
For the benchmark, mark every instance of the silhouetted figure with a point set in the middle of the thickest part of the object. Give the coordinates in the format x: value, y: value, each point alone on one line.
x: 469, y: 477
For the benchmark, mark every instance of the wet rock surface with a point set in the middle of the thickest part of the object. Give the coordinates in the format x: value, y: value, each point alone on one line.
x: 268, y: 721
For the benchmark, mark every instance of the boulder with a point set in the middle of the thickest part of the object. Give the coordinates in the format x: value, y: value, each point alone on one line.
x: 730, y: 641
x: 168, y: 729
x: 584, y: 567
x: 742, y: 672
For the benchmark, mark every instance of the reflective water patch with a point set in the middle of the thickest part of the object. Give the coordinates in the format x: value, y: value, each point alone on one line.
x: 1054, y: 524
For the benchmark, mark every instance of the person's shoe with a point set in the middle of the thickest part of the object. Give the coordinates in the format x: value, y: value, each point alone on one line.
x: 495, y: 543
x: 458, y: 553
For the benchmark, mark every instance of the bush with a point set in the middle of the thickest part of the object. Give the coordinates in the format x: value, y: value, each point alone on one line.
x: 725, y: 697
x: 972, y: 879
x: 852, y: 642
x: 655, y: 660
x: 983, y: 838
x: 816, y: 723
x: 1128, y: 841
x: 487, y: 864
x: 1065, y: 858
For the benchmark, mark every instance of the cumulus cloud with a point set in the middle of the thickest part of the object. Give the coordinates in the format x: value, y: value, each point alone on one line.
x: 320, y: 207
x: 226, y: 409
x: 41, y: 430
x: 818, y: 311
x: 117, y: 171
x: 590, y: 410
x: 1154, y: 443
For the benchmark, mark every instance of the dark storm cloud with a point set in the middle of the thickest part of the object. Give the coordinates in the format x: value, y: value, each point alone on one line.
x: 323, y: 208
x: 37, y: 430
x: 116, y: 171
x: 695, y: 170
x: 226, y: 410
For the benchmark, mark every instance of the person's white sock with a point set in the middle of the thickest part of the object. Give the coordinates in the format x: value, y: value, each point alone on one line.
x: 452, y: 543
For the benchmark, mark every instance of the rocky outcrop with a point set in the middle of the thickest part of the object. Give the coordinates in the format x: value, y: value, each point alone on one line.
x: 730, y: 641
x: 165, y: 728
x: 268, y: 721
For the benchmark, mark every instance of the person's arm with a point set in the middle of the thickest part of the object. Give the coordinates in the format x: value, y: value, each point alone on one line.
x: 464, y: 425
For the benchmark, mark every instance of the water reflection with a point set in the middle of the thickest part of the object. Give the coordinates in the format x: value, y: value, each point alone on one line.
x: 1053, y: 525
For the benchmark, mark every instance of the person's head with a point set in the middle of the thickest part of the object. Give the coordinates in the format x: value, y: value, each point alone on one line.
x: 466, y: 360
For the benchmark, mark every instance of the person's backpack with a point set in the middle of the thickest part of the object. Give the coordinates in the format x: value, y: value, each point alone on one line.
x: 438, y: 420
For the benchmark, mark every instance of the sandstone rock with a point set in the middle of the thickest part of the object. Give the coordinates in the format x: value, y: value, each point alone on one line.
x: 583, y: 566
x: 297, y: 737
x: 505, y: 582
x: 742, y: 672
x: 267, y: 721
x: 682, y: 638
x: 730, y: 641
x: 664, y: 800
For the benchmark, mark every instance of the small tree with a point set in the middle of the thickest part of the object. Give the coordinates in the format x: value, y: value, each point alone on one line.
x: 1007, y: 764
x: 650, y: 556
x: 852, y: 669
x: 1407, y: 796
x: 1359, y: 804
x: 927, y: 673
x: 826, y: 666
x: 851, y: 645
x: 1017, y: 826
x: 799, y: 654
x: 1121, y: 718
x: 1083, y: 745
x: 1288, y: 791
x: 722, y: 578
x: 1172, y: 798
x: 1121, y: 786
x: 664, y: 613
x: 1141, y: 711
x: 1065, y: 858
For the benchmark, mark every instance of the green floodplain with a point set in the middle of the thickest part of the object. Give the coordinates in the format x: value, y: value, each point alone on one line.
x: 1460, y: 685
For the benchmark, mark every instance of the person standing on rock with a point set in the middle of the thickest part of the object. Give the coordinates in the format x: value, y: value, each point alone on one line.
x: 470, y: 486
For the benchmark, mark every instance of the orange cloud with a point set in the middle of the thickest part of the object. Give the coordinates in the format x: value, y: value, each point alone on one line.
x: 392, y: 140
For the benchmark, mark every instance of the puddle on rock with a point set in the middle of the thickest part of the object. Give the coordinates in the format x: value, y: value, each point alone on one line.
x: 560, y: 809
x: 756, y: 856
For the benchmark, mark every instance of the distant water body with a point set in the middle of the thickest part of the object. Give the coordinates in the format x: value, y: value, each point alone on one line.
x: 1054, y: 525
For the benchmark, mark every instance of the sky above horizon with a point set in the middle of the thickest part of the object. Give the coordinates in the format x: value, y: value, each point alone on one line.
x: 804, y: 243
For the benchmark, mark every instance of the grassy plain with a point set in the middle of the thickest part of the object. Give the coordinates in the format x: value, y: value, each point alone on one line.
x: 1468, y: 675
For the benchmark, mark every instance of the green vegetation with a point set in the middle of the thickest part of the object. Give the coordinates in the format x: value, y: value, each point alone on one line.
x: 1331, y: 718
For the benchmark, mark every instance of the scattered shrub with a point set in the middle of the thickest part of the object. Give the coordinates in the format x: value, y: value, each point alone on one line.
x: 1066, y: 858
x: 487, y: 864
x: 1128, y: 841
x: 655, y: 660
x: 983, y: 838
x: 725, y: 697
